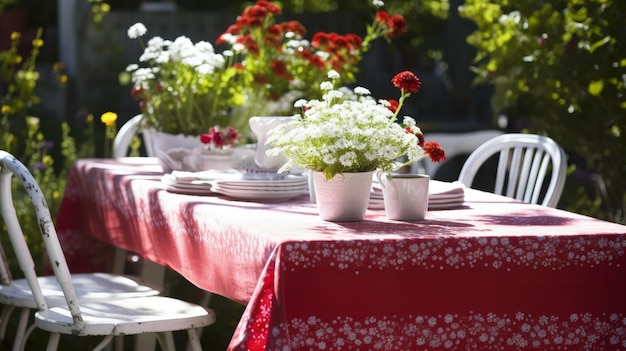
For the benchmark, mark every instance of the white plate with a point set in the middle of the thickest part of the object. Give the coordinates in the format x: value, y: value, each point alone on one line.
x: 259, y: 195
x: 189, y: 191
x: 255, y: 187
x: 289, y: 179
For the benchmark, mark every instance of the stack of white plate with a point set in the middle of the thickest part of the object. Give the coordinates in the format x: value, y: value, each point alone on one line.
x: 202, y: 182
x: 186, y: 186
x: 284, y: 188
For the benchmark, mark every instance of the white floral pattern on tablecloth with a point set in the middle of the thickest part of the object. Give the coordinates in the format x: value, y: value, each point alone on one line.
x: 472, y: 331
x: 455, y: 253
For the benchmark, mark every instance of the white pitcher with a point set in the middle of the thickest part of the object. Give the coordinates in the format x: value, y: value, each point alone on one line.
x: 260, y: 126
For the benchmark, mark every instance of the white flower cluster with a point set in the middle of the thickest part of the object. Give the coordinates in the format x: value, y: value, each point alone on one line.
x: 345, y: 133
x: 200, y: 56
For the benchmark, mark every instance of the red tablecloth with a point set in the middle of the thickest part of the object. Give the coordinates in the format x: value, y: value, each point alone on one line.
x: 494, y: 275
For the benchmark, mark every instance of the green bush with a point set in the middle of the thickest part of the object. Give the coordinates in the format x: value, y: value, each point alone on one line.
x: 560, y: 68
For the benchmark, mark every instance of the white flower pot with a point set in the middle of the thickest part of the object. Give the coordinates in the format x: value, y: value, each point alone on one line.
x: 344, y: 198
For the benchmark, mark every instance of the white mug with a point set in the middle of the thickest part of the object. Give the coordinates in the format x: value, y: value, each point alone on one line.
x: 405, y: 195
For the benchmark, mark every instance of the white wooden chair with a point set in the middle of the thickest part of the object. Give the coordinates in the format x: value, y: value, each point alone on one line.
x: 92, y: 309
x: 15, y: 293
x: 525, y: 162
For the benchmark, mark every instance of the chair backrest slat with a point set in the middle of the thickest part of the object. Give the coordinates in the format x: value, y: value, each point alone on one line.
x: 531, y: 165
x: 16, y: 236
x: 503, y: 160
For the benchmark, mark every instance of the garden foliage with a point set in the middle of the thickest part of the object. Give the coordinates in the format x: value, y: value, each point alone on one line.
x: 559, y: 68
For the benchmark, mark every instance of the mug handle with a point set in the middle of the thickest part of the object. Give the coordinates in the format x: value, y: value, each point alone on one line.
x: 384, y: 178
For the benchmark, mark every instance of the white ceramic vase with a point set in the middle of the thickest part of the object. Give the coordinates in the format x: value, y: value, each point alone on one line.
x: 344, y: 198
x: 405, y: 195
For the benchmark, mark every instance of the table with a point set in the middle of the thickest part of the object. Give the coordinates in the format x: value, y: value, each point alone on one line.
x: 494, y: 275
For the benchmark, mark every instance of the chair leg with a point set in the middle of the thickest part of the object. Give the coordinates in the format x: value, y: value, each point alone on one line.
x: 53, y: 342
x: 119, y: 343
x: 206, y: 299
x: 194, y: 340
x: 104, y: 343
x: 7, y: 310
x: 21, y: 329
x: 166, y: 341
x: 27, y: 335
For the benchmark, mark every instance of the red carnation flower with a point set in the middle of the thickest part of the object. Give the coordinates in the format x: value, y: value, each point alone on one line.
x: 260, y: 79
x: 317, y: 62
x: 136, y: 92
x: 294, y: 26
x: 280, y: 69
x: 382, y: 17
x: 320, y: 39
x: 354, y: 41
x: 434, y: 151
x: 420, y: 139
x: 407, y: 81
x: 397, y: 26
x: 256, y: 11
x: 269, y: 6
x: 393, y: 105
x: 206, y: 138
x: 249, y: 43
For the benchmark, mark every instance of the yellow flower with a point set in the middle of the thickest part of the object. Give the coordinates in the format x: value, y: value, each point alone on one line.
x: 5, y: 109
x: 16, y: 35
x: 109, y: 118
x: 33, y: 121
x: 37, y: 43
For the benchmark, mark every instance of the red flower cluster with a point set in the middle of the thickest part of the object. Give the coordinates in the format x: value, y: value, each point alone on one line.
x: 395, y: 24
x: 217, y: 138
x: 343, y: 49
x: 281, y: 62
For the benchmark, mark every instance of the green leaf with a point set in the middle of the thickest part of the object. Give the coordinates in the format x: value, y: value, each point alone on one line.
x: 595, y: 87
x: 599, y: 43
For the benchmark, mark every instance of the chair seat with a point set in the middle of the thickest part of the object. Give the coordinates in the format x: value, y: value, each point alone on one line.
x: 110, y: 286
x: 130, y: 316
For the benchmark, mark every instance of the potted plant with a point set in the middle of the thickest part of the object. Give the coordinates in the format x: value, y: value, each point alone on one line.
x: 183, y: 87
x: 346, y: 136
